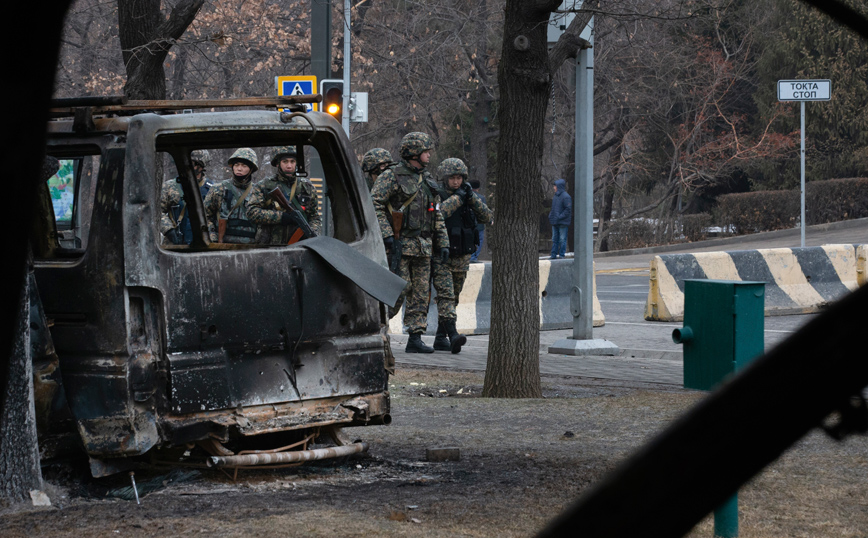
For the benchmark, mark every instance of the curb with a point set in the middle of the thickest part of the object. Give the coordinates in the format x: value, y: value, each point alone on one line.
x: 723, y: 241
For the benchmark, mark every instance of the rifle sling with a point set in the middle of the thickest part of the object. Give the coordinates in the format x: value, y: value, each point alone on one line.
x: 240, y: 200
x: 408, y: 202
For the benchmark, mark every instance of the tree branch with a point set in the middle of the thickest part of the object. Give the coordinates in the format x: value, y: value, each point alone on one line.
x: 548, y: 6
x: 569, y: 44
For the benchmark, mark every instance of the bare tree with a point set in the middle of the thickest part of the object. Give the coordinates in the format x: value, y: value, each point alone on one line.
x: 146, y: 36
x: 682, y: 91
x: 525, y: 77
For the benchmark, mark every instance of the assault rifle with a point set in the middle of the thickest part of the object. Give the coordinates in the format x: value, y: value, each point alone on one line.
x: 304, y: 230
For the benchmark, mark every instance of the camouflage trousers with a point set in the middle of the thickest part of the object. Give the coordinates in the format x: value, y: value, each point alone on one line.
x: 448, y: 282
x: 417, y: 271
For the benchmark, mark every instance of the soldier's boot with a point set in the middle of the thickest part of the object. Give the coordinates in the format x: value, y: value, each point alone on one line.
x: 456, y: 340
x: 441, y: 341
x: 416, y: 345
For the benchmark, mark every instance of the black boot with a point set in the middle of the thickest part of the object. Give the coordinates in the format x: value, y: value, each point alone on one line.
x: 455, y: 340
x: 441, y: 341
x: 416, y: 345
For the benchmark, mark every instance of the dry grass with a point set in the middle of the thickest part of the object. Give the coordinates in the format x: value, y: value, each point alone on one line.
x: 518, y: 470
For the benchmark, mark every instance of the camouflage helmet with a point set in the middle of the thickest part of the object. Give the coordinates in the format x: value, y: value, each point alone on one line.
x: 414, y: 144
x: 281, y: 153
x: 202, y: 156
x: 450, y: 167
x: 374, y: 158
x: 247, y: 156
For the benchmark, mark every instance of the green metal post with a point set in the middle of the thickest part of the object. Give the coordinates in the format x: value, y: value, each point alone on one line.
x: 321, y: 39
x: 321, y: 68
x: 726, y: 519
x: 723, y: 331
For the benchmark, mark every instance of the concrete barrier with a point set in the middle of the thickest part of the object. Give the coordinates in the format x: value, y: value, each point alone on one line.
x: 861, y: 264
x: 798, y: 280
x: 474, y: 304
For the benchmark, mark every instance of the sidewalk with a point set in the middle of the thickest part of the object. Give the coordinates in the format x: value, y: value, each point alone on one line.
x: 659, y: 362
x: 648, y: 354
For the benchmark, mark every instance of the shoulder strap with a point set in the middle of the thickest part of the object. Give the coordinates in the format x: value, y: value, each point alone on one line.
x: 241, y: 198
x: 410, y: 199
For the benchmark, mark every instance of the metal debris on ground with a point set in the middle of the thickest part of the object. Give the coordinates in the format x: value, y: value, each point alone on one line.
x: 128, y: 493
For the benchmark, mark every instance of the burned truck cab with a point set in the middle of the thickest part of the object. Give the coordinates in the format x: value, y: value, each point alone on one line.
x: 204, y: 343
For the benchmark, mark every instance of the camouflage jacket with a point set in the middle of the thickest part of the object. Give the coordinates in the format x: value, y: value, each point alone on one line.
x: 173, y: 209
x: 454, y: 201
x: 266, y: 212
x: 423, y: 229
x: 218, y: 204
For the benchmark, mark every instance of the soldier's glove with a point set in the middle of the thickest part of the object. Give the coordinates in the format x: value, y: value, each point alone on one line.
x: 466, y: 193
x: 286, y: 219
x: 388, y: 242
x: 444, y: 255
x: 175, y: 236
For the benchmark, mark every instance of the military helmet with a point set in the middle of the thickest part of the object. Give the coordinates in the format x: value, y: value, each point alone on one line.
x: 246, y: 155
x: 414, y: 144
x: 281, y: 153
x: 374, y: 158
x: 450, y: 167
x: 202, y: 156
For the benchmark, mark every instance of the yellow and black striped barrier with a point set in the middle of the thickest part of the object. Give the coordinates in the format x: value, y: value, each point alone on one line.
x: 474, y: 304
x: 798, y: 280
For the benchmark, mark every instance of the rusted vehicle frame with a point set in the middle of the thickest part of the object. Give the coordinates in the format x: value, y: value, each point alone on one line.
x: 161, y: 346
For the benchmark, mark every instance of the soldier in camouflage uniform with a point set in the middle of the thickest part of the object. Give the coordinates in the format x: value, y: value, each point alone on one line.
x: 408, y: 188
x: 462, y: 210
x: 229, y: 201
x: 276, y: 227
x: 175, y: 220
x: 373, y: 164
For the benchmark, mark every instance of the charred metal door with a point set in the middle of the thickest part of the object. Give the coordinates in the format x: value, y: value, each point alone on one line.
x: 247, y: 326
x: 83, y: 293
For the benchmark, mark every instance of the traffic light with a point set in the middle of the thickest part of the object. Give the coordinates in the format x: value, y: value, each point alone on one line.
x: 332, y: 91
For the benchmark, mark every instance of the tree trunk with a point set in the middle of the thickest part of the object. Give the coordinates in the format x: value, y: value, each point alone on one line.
x: 479, y: 137
x: 27, y: 143
x: 179, y: 77
x: 19, y: 449
x: 481, y: 128
x: 608, y: 188
x: 524, y: 77
x: 146, y: 37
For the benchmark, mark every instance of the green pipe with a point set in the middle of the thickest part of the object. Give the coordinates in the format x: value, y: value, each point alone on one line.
x: 726, y: 519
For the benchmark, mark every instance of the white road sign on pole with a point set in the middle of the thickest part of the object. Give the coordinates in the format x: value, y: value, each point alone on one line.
x: 805, y: 90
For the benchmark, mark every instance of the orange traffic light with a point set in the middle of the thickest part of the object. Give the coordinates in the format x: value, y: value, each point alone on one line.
x: 333, y: 97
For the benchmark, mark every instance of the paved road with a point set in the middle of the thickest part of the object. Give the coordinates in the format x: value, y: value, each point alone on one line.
x: 647, y: 351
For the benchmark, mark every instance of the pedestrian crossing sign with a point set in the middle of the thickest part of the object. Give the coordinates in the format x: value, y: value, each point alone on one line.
x: 297, y: 85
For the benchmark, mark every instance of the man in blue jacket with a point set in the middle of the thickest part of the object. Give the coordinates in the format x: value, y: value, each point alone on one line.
x: 560, y: 218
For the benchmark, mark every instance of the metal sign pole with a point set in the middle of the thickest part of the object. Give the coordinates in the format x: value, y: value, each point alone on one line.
x: 582, y: 294
x: 345, y: 114
x: 803, y: 174
x: 804, y: 90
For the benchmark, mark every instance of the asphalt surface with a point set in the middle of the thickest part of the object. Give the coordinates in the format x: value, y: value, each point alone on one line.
x: 647, y: 353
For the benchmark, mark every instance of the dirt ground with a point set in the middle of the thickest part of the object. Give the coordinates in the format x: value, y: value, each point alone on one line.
x: 522, y: 462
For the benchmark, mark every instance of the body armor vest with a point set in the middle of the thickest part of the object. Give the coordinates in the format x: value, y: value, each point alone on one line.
x: 461, y: 229
x: 238, y: 228
x: 419, y: 215
x: 300, y: 201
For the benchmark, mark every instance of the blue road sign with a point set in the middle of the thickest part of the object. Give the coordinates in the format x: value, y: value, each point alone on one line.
x: 295, y: 85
